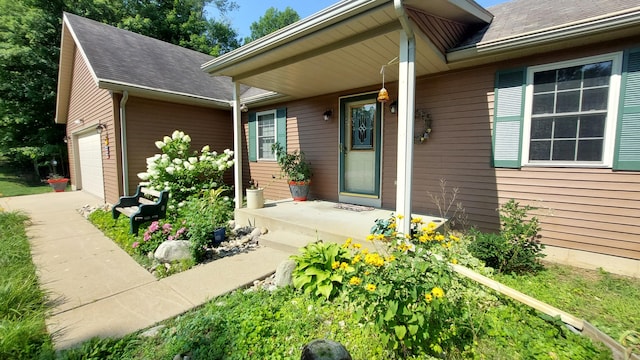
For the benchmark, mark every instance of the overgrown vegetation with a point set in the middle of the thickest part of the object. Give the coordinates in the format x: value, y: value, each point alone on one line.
x: 608, y: 301
x: 14, y: 182
x: 517, y: 247
x: 22, y: 303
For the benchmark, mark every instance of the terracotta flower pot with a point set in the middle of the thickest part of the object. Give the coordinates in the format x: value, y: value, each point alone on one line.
x: 299, y: 190
x: 58, y: 185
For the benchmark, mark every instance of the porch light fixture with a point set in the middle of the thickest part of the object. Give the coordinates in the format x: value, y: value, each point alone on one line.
x: 327, y: 115
x: 66, y: 139
x: 244, y: 108
x: 393, y: 107
x: 100, y: 128
x: 78, y: 121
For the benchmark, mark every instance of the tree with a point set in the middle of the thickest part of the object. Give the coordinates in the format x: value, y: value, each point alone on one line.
x: 30, y: 32
x: 272, y: 20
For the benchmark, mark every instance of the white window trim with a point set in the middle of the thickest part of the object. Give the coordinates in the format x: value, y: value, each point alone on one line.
x: 275, y: 132
x: 610, y: 122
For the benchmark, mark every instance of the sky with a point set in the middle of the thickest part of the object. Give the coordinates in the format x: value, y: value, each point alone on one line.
x: 251, y: 10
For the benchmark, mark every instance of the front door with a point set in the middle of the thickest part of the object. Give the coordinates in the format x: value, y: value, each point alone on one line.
x: 360, y: 141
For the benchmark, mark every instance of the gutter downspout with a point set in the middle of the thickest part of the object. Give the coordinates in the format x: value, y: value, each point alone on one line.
x: 406, y: 109
x: 237, y: 144
x: 123, y: 142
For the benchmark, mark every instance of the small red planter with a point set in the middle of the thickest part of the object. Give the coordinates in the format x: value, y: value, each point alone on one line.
x: 58, y: 185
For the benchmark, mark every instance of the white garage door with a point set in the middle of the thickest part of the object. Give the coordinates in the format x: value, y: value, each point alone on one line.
x: 90, y: 154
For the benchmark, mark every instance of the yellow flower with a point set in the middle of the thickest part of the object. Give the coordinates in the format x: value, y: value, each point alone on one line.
x: 400, y: 217
x: 439, y: 237
x: 347, y: 243
x: 357, y: 246
x: 392, y: 226
x: 370, y: 237
x: 423, y: 238
x: 356, y: 259
x: 370, y: 287
x: 416, y: 220
x: 374, y: 259
x: 335, y: 265
x: 355, y: 281
x: 390, y: 258
x: 407, y: 236
x: 437, y: 292
x: 364, y: 251
x: 380, y: 237
x: 432, y: 226
x: 428, y: 297
x: 454, y: 261
x: 446, y: 245
x: 454, y: 238
x: 344, y: 266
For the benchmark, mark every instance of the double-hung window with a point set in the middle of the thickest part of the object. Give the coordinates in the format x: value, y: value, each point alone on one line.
x: 265, y: 129
x: 580, y: 113
x: 266, y: 135
x: 570, y: 112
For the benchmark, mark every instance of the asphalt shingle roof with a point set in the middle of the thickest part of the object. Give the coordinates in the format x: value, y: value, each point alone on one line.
x: 123, y: 56
x: 518, y: 17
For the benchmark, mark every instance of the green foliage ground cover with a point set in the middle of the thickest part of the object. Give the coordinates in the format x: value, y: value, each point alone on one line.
x: 12, y: 183
x: 608, y: 301
x: 22, y: 303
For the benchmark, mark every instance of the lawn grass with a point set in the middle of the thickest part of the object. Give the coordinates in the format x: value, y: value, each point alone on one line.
x: 13, y: 184
x: 23, y: 334
x: 608, y: 301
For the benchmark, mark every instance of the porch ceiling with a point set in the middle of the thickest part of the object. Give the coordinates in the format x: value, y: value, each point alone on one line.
x: 343, y: 47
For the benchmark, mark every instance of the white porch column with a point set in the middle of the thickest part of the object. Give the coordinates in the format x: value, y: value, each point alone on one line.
x: 237, y: 144
x: 406, y: 110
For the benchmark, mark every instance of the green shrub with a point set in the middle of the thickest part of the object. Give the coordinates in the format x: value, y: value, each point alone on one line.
x: 203, y: 213
x: 410, y: 294
x: 517, y: 248
x: 185, y: 172
x: 117, y: 230
x: 315, y: 268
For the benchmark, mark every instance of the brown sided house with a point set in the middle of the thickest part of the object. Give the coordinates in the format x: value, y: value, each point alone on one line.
x: 538, y: 101
x: 116, y: 87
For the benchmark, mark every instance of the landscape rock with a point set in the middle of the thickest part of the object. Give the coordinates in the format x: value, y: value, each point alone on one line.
x: 284, y: 273
x: 325, y: 350
x: 173, y: 250
x: 255, y: 234
x: 153, y: 332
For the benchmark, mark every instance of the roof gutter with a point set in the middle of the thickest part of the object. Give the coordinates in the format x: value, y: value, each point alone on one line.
x: 123, y: 142
x: 585, y: 28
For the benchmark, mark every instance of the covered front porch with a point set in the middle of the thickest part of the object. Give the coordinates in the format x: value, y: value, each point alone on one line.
x: 293, y: 224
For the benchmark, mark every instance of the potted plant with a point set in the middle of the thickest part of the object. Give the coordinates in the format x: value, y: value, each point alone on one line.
x: 57, y: 182
x: 297, y: 170
x: 255, y: 195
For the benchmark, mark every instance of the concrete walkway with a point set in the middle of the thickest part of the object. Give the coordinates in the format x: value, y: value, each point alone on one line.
x: 99, y: 290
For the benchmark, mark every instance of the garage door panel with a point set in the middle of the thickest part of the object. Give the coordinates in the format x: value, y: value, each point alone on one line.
x: 90, y: 155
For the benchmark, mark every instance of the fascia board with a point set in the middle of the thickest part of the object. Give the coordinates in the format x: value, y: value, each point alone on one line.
x: 556, y: 34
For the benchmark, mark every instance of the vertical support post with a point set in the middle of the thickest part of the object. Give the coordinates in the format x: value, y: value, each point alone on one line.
x: 406, y: 110
x: 237, y: 145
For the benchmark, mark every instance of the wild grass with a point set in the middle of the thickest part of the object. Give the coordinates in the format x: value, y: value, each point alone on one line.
x: 608, y: 301
x: 23, y: 334
x: 12, y: 183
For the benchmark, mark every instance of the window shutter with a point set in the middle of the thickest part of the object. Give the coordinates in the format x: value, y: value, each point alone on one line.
x: 627, y: 151
x: 281, y: 126
x: 253, y: 152
x: 508, y: 115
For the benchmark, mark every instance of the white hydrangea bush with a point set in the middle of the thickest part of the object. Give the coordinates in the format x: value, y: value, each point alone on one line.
x: 183, y: 172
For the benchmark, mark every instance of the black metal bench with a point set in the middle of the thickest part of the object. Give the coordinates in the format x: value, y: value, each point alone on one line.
x: 146, y: 205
